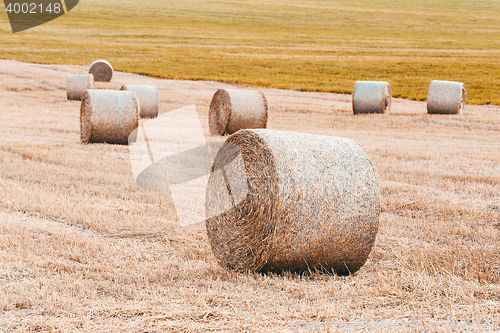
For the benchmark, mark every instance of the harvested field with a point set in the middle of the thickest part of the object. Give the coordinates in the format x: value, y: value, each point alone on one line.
x: 82, y: 248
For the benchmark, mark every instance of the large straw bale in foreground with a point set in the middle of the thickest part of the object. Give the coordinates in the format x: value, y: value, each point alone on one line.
x: 445, y: 97
x: 147, y: 97
x: 494, y: 208
x: 77, y: 84
x: 108, y: 116
x: 312, y: 203
x: 232, y: 110
x: 371, y: 97
x: 102, y: 70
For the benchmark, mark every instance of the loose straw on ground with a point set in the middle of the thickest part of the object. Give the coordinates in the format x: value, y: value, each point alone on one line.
x: 445, y: 97
x: 102, y: 70
x: 147, y: 97
x: 108, y: 116
x: 232, y: 110
x: 371, y: 97
x: 312, y: 203
x: 77, y: 84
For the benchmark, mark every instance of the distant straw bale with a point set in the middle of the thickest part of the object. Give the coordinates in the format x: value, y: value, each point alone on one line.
x: 102, y: 70
x: 232, y: 110
x: 77, y: 84
x: 108, y: 116
x: 313, y: 203
x: 445, y: 97
x: 371, y: 97
x: 147, y: 97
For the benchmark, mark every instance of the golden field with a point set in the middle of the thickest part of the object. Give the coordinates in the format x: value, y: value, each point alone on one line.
x: 309, y: 45
x: 82, y: 248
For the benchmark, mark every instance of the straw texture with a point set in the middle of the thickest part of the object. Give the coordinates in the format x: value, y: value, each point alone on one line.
x: 77, y: 84
x: 102, y: 70
x: 445, y: 97
x: 312, y: 203
x: 371, y: 97
x: 494, y: 208
x: 232, y: 110
x: 108, y: 116
x: 147, y: 97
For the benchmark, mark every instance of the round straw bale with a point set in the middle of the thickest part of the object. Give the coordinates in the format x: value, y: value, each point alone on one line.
x: 77, y: 84
x: 232, y: 110
x: 445, y: 97
x: 108, y: 116
x: 147, y: 97
x: 312, y: 203
x: 371, y: 97
x: 494, y: 208
x: 102, y: 70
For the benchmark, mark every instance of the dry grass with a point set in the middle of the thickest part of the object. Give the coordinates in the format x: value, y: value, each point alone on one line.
x: 84, y: 249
